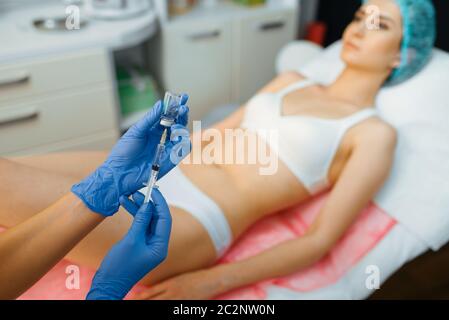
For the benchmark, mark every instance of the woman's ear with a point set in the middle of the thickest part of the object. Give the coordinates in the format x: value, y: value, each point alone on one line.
x: 396, y: 61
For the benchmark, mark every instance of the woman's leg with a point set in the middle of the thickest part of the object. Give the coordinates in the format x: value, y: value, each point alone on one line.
x: 26, y: 190
x: 76, y: 164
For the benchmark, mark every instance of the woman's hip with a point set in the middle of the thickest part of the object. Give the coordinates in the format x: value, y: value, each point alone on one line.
x: 190, y: 249
x: 182, y: 194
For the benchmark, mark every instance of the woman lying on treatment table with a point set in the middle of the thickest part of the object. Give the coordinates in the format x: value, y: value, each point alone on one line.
x: 329, y: 137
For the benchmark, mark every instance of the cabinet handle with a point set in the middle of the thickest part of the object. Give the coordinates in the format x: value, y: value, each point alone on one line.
x: 273, y: 25
x: 205, y: 35
x: 20, y: 77
x: 16, y: 115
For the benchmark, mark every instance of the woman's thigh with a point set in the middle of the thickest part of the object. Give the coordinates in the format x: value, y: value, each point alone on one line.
x: 190, y: 247
x: 76, y: 164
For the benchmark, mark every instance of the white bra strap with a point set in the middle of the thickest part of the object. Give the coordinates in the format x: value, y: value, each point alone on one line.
x: 295, y: 86
x: 359, y: 117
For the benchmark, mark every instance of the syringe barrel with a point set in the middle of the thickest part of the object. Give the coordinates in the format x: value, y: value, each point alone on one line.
x: 158, y: 156
x: 150, y: 185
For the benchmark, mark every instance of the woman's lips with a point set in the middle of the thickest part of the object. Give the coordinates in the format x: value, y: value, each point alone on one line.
x: 350, y: 45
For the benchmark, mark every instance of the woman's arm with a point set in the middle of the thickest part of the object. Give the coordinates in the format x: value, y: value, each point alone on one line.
x: 365, y: 172
x: 30, y: 249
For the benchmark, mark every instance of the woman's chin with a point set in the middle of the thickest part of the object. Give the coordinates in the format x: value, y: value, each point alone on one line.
x: 349, y: 56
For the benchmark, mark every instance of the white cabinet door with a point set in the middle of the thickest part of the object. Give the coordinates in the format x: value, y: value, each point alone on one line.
x: 56, y: 118
x: 259, y: 40
x: 48, y: 75
x: 197, y: 60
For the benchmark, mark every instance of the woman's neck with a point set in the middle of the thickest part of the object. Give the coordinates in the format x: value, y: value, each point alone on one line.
x: 357, y: 87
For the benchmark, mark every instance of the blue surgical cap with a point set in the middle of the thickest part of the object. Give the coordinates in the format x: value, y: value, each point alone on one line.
x: 419, y: 33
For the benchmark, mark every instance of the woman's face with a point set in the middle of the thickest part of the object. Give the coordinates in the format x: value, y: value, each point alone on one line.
x: 372, y: 41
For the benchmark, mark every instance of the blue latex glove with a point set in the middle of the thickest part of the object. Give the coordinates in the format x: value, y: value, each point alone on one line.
x: 143, y: 248
x: 129, y: 163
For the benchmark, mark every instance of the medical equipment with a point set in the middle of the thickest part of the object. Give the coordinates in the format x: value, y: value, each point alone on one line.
x: 171, y: 105
x: 101, y: 191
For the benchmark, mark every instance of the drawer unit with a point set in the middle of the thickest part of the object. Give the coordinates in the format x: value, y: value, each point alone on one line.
x: 97, y: 141
x: 56, y: 118
x: 52, y: 74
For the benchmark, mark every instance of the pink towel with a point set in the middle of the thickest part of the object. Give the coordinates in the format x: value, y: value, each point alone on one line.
x: 369, y: 228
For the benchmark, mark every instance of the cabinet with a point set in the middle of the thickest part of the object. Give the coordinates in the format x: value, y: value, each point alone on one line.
x: 223, y: 54
x: 37, y: 77
x: 196, y: 61
x: 57, y: 103
x: 258, y: 40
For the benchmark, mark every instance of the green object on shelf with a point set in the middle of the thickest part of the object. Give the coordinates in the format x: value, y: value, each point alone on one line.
x: 250, y: 2
x: 137, y: 90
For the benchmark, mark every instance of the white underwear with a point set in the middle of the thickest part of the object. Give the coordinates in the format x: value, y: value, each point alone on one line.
x: 180, y: 192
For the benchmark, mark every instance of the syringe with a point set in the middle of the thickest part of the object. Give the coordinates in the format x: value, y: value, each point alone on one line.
x: 170, y: 112
x: 156, y: 166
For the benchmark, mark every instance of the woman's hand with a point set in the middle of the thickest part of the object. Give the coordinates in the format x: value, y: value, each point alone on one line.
x: 198, y: 285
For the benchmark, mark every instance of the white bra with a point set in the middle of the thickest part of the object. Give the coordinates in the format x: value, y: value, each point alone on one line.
x: 307, y: 145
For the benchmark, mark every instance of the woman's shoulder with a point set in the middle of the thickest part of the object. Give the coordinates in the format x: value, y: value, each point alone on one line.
x: 281, y: 81
x: 378, y: 132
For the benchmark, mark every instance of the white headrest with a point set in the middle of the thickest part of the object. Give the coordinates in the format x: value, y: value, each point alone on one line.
x: 417, y: 192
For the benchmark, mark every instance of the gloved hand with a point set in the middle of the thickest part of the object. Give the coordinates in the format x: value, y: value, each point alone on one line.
x: 129, y: 164
x: 143, y: 248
